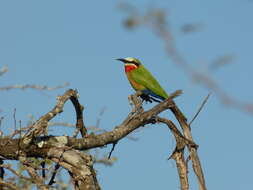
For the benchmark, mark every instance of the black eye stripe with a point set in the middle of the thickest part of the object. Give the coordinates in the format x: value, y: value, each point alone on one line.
x: 134, y: 62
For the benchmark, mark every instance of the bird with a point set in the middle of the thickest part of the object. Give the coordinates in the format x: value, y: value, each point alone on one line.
x: 143, y: 81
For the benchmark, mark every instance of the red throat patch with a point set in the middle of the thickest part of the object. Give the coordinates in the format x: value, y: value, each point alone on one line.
x: 130, y: 67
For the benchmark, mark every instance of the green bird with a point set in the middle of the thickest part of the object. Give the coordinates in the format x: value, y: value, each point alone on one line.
x: 142, y: 80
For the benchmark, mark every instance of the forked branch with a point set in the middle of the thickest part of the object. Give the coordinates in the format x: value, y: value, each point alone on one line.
x: 65, y: 152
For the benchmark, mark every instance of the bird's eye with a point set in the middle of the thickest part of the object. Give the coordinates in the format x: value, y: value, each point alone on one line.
x: 135, y: 62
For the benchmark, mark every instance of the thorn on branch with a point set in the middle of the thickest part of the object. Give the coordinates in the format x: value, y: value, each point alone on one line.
x: 113, y: 147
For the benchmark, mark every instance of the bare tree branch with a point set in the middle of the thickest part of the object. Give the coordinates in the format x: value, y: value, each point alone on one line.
x: 178, y: 153
x: 34, y: 176
x: 221, y: 61
x: 33, y: 86
x: 9, y: 185
x: 52, y: 180
x: 79, y: 115
x: 40, y: 126
x: 79, y: 165
x: 65, y: 152
x: 200, y: 108
x: 132, y: 122
x: 8, y: 167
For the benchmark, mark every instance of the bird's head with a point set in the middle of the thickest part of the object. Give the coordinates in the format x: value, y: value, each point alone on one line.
x: 130, y: 63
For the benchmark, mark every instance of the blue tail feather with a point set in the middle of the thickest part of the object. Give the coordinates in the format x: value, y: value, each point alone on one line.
x: 150, y: 93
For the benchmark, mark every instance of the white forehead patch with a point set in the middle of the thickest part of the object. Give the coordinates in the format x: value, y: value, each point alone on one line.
x: 130, y: 59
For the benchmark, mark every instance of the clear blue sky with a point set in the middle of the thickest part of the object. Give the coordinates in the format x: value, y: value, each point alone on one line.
x: 52, y: 42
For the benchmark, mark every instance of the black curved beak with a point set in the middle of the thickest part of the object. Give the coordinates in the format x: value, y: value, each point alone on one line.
x: 122, y: 60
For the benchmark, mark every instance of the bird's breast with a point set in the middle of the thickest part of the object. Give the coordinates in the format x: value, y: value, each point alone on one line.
x: 133, y: 83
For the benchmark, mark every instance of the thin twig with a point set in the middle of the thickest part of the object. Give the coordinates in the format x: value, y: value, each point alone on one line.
x: 102, y: 111
x: 33, y: 86
x: 177, y: 134
x: 79, y: 114
x: 52, y: 181
x: 1, y: 169
x: 200, y: 108
x: 14, y: 172
x: 9, y: 185
x: 40, y: 126
x: 178, y: 153
x: 14, y: 118
x: 113, y: 147
x: 33, y: 174
x: 43, y: 164
x: 1, y: 121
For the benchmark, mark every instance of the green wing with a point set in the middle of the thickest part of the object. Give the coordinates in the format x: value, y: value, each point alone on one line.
x: 142, y: 76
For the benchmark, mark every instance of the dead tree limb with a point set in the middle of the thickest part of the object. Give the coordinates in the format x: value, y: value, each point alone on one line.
x: 65, y: 151
x: 40, y: 126
x: 178, y: 153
